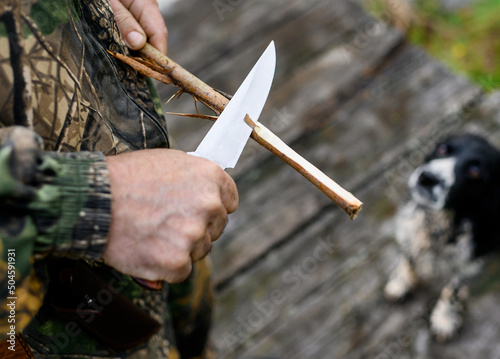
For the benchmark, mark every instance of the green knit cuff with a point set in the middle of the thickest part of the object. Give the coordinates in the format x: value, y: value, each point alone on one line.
x: 82, y: 182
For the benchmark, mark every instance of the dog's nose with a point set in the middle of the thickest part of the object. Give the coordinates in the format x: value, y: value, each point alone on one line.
x: 428, y: 179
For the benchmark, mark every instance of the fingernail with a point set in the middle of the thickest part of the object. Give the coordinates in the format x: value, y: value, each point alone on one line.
x: 134, y: 39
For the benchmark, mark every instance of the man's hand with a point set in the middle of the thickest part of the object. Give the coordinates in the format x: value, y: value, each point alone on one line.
x: 168, y: 207
x: 140, y: 21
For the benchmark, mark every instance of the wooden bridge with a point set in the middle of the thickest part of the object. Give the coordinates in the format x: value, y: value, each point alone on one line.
x: 294, y: 277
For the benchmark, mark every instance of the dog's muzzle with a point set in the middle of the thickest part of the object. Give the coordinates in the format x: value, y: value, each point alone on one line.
x: 430, y: 183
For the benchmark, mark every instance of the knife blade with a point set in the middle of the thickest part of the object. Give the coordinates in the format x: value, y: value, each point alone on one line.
x: 227, y: 138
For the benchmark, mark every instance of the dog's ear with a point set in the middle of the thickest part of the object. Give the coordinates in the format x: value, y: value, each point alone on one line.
x: 495, y: 183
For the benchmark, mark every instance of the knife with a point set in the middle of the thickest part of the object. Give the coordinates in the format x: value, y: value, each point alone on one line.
x: 227, y: 137
x: 156, y: 65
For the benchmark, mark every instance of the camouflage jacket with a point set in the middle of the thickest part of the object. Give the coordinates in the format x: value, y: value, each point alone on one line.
x: 65, y: 104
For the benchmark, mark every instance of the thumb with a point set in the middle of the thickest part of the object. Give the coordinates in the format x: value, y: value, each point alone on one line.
x: 131, y: 31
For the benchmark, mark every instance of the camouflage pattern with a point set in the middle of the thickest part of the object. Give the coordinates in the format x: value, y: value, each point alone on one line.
x: 65, y: 104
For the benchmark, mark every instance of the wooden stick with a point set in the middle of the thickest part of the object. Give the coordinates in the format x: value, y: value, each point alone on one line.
x: 214, y: 100
x: 325, y: 184
x: 187, y: 81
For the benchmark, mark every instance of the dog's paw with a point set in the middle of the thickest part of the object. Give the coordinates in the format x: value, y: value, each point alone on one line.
x: 402, y: 281
x: 448, y: 314
x: 445, y: 321
x: 396, y: 289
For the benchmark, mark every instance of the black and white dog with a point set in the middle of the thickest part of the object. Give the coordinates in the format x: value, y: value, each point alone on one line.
x: 451, y: 222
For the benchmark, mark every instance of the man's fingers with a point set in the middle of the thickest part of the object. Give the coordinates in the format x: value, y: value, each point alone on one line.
x: 131, y: 31
x: 148, y: 18
x: 229, y: 194
x: 177, y: 270
x: 201, y: 248
x: 216, y: 226
x: 151, y: 20
x: 178, y: 211
x: 223, y: 186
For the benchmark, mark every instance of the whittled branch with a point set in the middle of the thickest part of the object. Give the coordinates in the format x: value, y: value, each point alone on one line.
x: 325, y: 184
x: 164, y: 69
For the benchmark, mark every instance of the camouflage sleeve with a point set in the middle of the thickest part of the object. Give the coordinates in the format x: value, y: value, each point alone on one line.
x: 50, y: 202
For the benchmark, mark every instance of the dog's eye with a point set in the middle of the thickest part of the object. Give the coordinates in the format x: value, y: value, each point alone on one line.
x: 442, y: 150
x: 473, y: 171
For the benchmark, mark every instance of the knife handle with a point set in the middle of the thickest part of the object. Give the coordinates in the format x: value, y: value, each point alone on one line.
x: 325, y: 184
x: 155, y: 286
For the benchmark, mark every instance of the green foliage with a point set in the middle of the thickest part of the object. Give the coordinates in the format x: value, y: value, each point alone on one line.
x: 465, y: 39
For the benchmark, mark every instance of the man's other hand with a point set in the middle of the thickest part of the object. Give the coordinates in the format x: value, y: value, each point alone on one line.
x: 167, y: 209
x: 140, y: 21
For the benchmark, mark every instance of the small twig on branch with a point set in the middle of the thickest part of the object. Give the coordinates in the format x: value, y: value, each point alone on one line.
x: 192, y: 115
x: 142, y: 68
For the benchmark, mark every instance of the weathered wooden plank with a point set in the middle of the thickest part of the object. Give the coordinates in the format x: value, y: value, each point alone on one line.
x: 363, y: 106
x: 304, y: 101
x: 197, y: 32
x: 336, y: 66
x: 320, y: 284
x: 297, y: 43
x: 348, y: 143
x: 294, y: 305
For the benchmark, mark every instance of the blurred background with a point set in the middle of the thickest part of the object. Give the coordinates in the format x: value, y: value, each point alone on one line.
x: 363, y: 88
x: 461, y: 33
